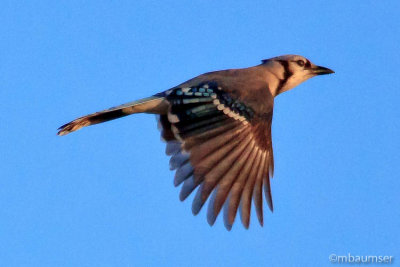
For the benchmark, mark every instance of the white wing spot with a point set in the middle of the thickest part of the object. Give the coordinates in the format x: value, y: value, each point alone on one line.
x: 220, y: 106
x: 172, y: 118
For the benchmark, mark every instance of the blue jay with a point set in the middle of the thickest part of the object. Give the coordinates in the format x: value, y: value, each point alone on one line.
x: 218, y: 132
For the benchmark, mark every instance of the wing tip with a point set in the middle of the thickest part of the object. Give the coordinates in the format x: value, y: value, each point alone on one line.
x: 271, y: 206
x: 211, y: 220
x: 198, y: 202
x: 228, y: 227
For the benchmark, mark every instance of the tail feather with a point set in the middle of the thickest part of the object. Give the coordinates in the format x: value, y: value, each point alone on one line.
x: 153, y: 104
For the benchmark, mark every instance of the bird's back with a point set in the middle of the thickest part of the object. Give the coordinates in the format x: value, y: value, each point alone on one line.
x: 247, y: 84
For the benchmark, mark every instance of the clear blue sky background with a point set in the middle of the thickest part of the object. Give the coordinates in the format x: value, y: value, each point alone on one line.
x: 104, y: 196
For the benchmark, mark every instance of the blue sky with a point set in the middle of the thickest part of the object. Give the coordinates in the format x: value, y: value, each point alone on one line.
x: 104, y: 196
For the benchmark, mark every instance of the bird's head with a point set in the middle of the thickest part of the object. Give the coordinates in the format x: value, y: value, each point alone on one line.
x: 293, y: 70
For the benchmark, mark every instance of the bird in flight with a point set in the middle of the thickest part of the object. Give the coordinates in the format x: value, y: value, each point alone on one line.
x: 217, y: 127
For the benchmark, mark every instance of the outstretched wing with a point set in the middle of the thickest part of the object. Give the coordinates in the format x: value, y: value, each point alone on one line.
x: 222, y: 146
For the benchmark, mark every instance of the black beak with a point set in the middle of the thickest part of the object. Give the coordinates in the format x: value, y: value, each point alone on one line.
x: 318, y: 70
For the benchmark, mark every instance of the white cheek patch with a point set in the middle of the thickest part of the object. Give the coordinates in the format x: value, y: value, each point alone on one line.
x: 295, y: 80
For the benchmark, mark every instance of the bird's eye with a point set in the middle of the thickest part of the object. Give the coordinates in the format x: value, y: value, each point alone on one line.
x: 300, y: 63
